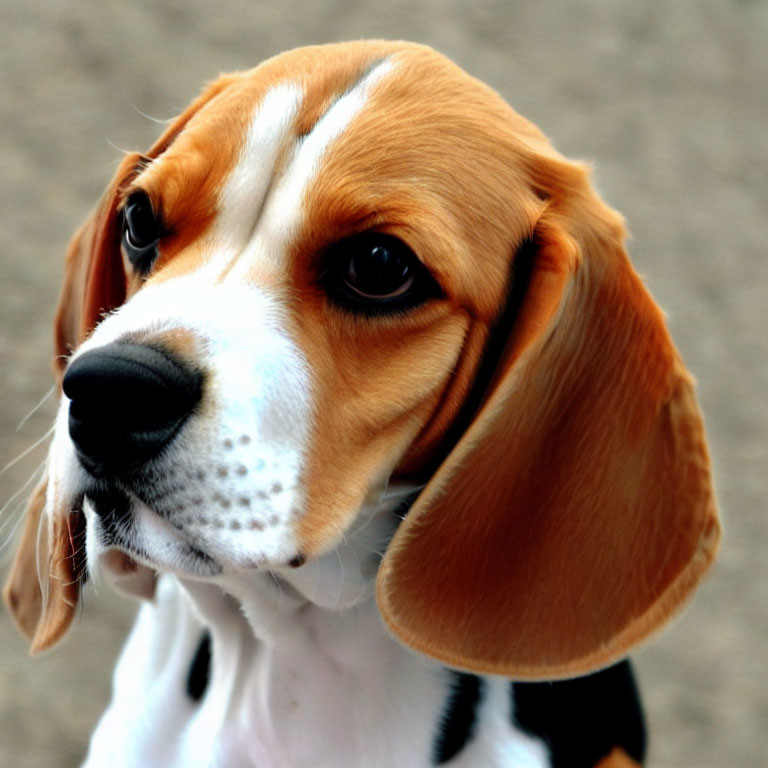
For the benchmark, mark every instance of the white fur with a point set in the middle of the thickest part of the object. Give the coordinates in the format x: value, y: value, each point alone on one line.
x: 246, y: 192
x: 293, y: 684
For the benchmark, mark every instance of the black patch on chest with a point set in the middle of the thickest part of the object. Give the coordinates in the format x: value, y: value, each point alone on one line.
x: 199, y: 669
x: 457, y: 724
x: 583, y: 720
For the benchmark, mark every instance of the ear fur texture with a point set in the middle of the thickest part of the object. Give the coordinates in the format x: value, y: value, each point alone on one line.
x: 23, y: 592
x: 94, y: 280
x: 43, y: 586
x: 576, y: 514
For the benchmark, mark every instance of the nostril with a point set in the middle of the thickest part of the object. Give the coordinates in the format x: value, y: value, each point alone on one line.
x: 127, y: 402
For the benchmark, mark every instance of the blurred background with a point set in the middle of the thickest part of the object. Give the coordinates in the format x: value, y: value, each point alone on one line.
x: 668, y: 100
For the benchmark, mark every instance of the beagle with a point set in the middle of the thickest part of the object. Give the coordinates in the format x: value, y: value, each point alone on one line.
x: 361, y: 396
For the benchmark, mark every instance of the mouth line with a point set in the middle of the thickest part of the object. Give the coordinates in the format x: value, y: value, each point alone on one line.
x: 188, y: 560
x: 118, y: 514
x: 200, y: 557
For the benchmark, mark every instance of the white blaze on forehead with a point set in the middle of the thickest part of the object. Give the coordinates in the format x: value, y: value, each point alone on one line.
x: 284, y: 209
x: 277, y: 221
x: 246, y: 189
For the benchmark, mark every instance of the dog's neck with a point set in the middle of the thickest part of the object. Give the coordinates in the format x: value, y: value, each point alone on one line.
x: 305, y: 657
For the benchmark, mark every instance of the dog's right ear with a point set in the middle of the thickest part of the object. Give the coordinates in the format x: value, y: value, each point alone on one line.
x: 576, y: 514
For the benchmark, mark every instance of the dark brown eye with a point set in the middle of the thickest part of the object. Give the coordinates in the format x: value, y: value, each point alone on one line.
x: 141, y: 231
x: 375, y: 273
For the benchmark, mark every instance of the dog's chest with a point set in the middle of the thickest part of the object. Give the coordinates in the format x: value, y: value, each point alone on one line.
x: 323, y: 689
x: 316, y: 697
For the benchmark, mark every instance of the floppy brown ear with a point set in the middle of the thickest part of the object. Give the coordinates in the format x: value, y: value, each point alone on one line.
x: 43, y: 586
x: 45, y: 605
x: 94, y: 283
x: 576, y: 514
x: 94, y: 279
x: 50, y: 557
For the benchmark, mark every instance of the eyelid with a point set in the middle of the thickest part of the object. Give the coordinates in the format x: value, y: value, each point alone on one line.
x: 141, y: 257
x: 154, y: 202
x: 135, y: 188
x: 131, y: 183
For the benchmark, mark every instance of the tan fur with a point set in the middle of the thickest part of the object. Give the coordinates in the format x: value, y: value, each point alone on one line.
x: 22, y: 592
x: 617, y: 759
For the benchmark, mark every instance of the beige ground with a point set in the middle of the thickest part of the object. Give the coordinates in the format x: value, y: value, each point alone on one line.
x: 670, y: 101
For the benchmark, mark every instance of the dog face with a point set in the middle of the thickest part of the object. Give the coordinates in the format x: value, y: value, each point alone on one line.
x: 352, y: 267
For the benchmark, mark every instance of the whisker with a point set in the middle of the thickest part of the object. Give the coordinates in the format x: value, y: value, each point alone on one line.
x: 29, y: 450
x: 9, y: 519
x: 77, y: 577
x: 276, y: 612
x: 341, y: 578
x: 13, y: 519
x: 63, y: 358
x: 36, y: 475
x: 316, y: 598
x: 355, y: 554
x: 42, y: 582
x: 360, y: 525
x: 42, y: 402
x: 119, y: 149
x: 76, y: 552
x: 157, y: 120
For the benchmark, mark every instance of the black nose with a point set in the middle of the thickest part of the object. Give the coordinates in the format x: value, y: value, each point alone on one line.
x: 128, y: 401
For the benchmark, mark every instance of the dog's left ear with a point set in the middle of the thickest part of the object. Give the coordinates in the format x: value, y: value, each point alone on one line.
x: 576, y: 513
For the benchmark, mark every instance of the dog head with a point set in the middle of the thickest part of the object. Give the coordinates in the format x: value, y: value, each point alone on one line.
x: 356, y: 266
